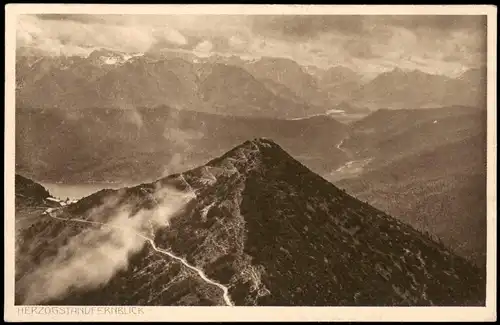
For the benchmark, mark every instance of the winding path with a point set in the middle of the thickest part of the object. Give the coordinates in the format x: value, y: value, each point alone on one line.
x: 227, y: 298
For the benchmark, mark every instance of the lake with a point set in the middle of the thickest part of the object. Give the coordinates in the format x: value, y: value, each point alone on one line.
x: 347, y: 118
x: 78, y: 191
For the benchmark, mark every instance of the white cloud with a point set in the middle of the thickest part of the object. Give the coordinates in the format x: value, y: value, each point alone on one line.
x: 170, y: 35
x: 110, y: 247
x: 64, y: 36
x: 236, y: 41
x: 386, y: 45
x: 204, y: 47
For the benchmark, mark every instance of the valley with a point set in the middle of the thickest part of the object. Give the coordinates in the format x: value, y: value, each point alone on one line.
x: 165, y: 178
x: 349, y: 169
x: 395, y: 167
x: 166, y: 141
x: 427, y: 168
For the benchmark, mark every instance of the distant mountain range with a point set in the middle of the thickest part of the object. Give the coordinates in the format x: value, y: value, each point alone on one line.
x: 110, y: 80
x: 415, y: 89
x: 253, y: 227
x: 270, y: 87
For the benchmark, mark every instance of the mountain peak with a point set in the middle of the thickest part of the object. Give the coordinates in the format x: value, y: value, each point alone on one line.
x: 398, y: 70
x: 263, y: 142
x: 258, y: 155
x: 248, y: 152
x: 256, y: 218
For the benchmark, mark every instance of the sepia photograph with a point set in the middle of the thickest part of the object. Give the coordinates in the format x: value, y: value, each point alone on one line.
x: 249, y: 156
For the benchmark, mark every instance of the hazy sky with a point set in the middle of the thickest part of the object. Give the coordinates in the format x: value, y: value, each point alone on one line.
x: 436, y: 44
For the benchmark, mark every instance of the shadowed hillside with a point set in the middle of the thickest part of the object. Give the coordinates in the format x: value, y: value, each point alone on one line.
x: 257, y: 222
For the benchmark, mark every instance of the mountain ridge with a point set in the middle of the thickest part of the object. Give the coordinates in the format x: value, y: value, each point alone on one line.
x: 255, y: 219
x: 325, y: 87
x: 143, y: 141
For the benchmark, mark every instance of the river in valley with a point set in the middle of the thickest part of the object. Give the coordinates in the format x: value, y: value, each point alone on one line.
x: 351, y: 168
